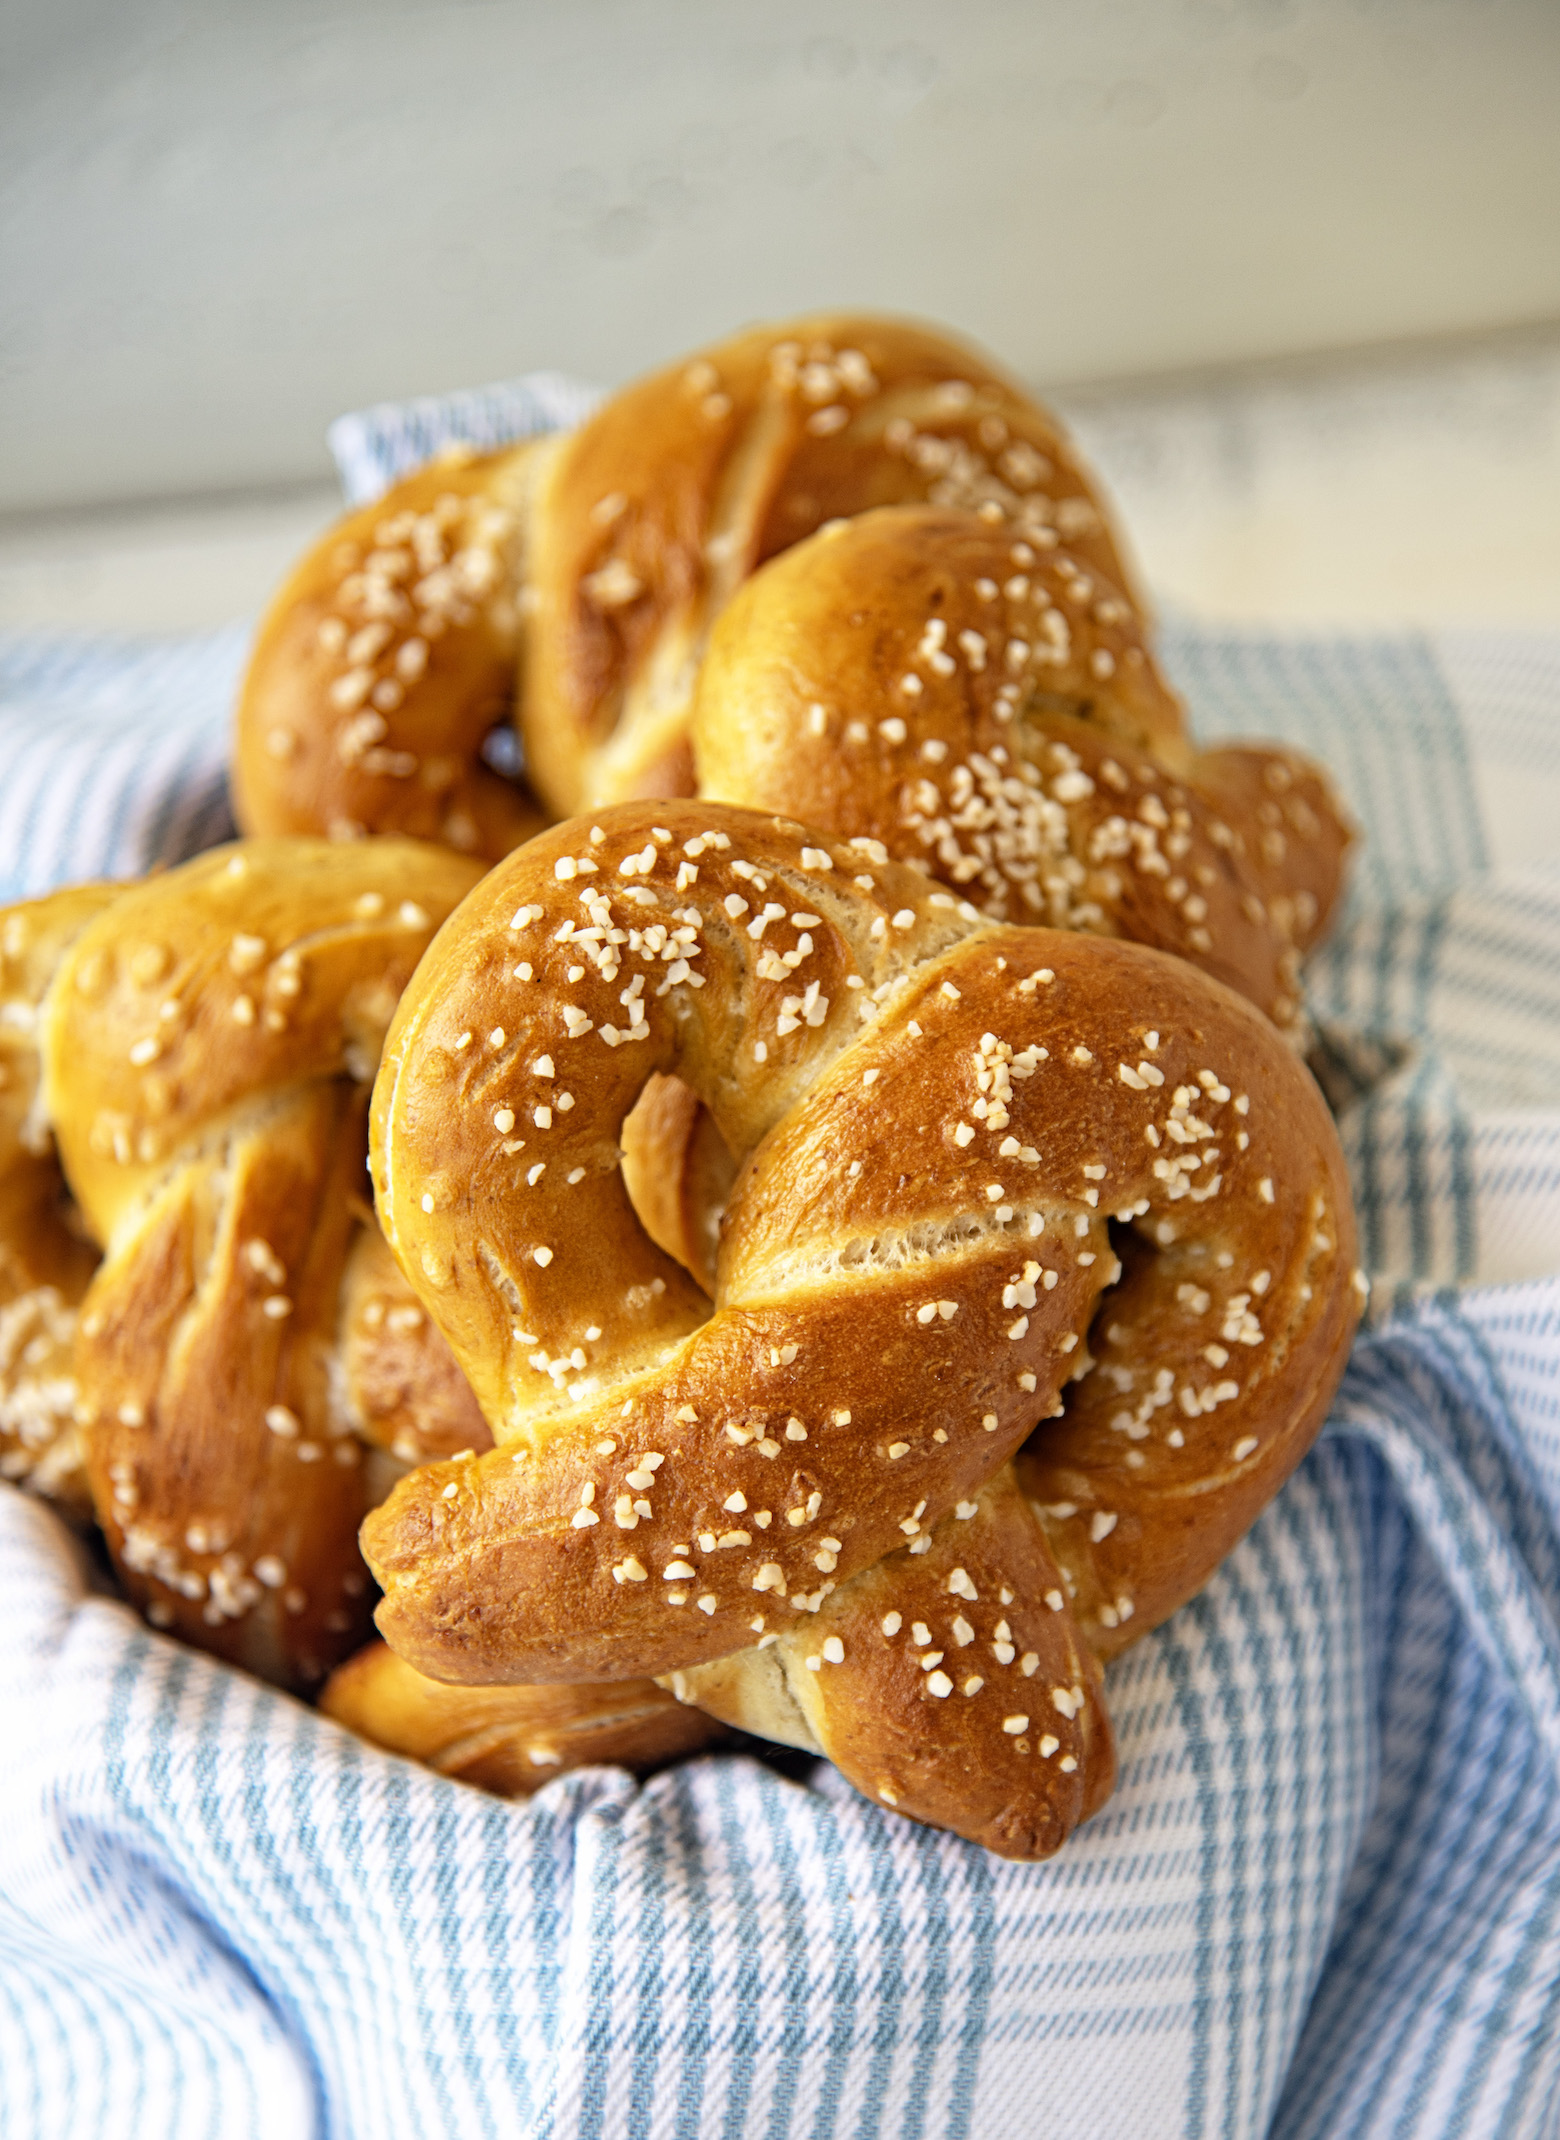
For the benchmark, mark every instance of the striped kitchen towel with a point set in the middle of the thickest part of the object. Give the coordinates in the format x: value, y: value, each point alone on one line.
x: 1325, y: 1900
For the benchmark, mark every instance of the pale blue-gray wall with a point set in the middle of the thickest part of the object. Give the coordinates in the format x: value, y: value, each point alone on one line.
x: 222, y: 221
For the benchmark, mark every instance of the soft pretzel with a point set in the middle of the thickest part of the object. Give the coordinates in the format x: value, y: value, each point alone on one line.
x: 392, y: 1377
x: 511, y: 1740
x: 992, y: 710
x: 940, y: 1116
x: 647, y: 519
x: 206, y: 1039
x: 389, y: 656
x: 184, y: 1510
x: 385, y: 663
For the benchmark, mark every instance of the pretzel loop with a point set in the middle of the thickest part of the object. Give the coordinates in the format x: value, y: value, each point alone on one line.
x: 385, y: 663
x: 987, y: 707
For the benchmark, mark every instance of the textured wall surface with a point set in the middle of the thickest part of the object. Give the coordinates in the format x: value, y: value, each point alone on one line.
x: 221, y: 223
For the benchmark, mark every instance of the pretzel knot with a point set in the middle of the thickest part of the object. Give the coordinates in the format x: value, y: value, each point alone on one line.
x: 942, y: 1119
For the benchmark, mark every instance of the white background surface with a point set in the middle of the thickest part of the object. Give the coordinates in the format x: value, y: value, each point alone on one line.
x: 1292, y: 266
x: 223, y: 221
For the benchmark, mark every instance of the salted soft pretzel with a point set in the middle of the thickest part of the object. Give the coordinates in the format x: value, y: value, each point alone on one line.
x: 646, y: 520
x: 940, y: 1116
x: 228, y: 1444
x: 389, y: 657
x: 385, y: 663
x: 992, y: 710
x: 206, y: 1040
x: 46, y: 1262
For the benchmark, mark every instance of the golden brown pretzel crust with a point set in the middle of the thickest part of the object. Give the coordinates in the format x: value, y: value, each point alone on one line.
x: 910, y: 1264
x: 188, y: 1496
x: 648, y: 517
x: 991, y: 709
x: 46, y: 1263
x: 206, y: 1043
x: 907, y: 1709
x: 399, y: 1384
x: 384, y: 662
x: 511, y: 1740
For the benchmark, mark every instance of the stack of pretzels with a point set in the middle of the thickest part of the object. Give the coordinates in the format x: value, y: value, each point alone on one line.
x: 854, y: 1242
x: 842, y: 569
x: 205, y: 1341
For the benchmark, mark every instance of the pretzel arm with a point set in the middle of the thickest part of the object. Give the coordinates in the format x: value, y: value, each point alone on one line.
x: 1295, y: 834
x: 951, y: 1684
x: 511, y: 1740
x: 656, y: 1527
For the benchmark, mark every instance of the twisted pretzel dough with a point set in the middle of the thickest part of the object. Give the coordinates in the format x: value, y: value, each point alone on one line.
x: 648, y: 518
x: 389, y: 656
x: 991, y: 708
x: 940, y: 1117
x: 206, y: 1040
x: 392, y: 1377
x: 384, y: 664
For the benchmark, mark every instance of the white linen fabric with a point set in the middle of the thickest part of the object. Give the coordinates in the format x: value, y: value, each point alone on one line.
x: 1325, y: 1900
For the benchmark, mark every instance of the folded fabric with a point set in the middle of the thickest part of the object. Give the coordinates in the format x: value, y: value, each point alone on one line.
x: 1326, y: 1898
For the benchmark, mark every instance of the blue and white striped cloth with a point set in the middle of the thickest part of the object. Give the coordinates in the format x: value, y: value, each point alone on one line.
x: 1325, y: 1900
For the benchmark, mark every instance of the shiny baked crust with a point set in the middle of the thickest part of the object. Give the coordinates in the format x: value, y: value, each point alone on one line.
x: 206, y: 1041
x: 990, y: 708
x: 941, y: 1118
x: 385, y: 662
x: 647, y: 519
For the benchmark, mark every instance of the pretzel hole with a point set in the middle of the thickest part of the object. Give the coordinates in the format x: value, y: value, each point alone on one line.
x: 678, y: 1173
x: 1037, y: 705
x: 501, y: 753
